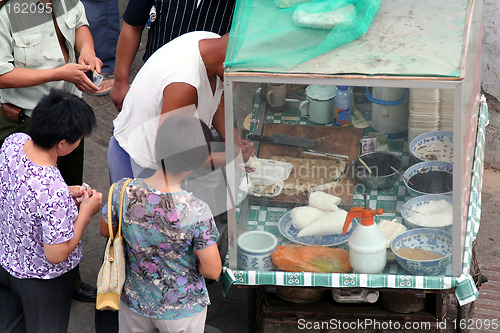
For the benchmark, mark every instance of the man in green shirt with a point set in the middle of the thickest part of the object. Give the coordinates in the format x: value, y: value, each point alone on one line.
x: 39, y: 45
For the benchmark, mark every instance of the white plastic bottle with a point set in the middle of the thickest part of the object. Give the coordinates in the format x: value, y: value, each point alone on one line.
x: 367, y: 244
x: 342, y: 106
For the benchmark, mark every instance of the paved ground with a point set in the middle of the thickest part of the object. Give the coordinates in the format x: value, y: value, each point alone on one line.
x: 229, y: 314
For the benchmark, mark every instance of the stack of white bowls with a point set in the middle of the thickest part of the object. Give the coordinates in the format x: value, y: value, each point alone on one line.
x: 424, y: 111
x: 446, y: 109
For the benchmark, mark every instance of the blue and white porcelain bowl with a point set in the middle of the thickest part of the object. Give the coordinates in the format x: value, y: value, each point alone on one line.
x: 428, y: 239
x: 424, y: 168
x: 411, y: 208
x: 254, y: 250
x: 432, y: 146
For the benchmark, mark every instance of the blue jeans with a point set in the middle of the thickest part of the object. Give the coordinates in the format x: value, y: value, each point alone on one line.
x: 120, y: 165
x: 104, y: 25
x: 35, y: 305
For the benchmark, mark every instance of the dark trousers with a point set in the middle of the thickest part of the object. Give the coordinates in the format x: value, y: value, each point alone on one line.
x: 106, y: 321
x: 104, y: 24
x: 35, y: 305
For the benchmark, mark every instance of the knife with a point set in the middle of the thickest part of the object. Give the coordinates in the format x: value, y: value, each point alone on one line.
x: 281, y: 139
x: 317, y: 153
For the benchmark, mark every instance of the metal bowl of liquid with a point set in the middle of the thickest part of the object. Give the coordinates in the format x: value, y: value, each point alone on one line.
x: 382, y: 176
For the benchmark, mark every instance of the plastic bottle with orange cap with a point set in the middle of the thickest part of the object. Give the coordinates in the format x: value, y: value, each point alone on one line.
x: 367, y: 244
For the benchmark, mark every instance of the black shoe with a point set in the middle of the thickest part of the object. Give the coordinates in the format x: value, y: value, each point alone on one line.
x: 211, y: 329
x: 86, y: 293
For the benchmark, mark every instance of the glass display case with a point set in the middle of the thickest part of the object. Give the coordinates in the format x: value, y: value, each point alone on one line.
x: 423, y: 46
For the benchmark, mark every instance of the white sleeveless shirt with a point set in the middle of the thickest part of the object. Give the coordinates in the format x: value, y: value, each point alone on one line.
x: 136, y: 125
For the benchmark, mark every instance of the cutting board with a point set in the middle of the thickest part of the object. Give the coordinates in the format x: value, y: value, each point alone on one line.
x: 336, y: 140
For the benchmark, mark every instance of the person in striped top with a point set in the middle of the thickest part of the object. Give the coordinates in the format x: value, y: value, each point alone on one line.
x: 165, y: 20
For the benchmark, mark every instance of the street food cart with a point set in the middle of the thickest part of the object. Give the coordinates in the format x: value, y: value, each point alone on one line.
x: 410, y: 44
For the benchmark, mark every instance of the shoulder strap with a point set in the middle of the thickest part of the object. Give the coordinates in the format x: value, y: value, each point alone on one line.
x: 110, y: 224
x: 120, y: 209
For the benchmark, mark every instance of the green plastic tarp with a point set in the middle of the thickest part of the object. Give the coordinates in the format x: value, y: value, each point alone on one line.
x: 263, y: 34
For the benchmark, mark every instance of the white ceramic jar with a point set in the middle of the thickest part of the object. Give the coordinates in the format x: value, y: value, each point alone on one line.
x: 255, y: 249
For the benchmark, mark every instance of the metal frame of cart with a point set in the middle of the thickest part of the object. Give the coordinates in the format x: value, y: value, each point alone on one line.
x: 456, y: 67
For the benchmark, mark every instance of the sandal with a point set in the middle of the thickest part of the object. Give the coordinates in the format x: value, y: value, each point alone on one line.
x: 106, y: 84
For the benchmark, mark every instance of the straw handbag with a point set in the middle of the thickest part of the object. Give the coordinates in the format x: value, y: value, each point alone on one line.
x: 112, y: 273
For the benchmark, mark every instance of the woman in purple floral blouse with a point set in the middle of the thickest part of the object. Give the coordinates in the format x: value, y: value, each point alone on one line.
x: 41, y: 223
x: 170, y: 237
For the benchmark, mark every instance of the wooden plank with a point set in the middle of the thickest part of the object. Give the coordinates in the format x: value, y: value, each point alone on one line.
x: 308, y: 77
x: 336, y: 140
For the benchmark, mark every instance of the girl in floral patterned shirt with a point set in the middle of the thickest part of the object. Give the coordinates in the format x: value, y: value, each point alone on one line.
x: 170, y: 237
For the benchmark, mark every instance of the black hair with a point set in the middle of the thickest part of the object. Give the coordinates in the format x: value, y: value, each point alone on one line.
x: 182, y: 143
x: 58, y: 116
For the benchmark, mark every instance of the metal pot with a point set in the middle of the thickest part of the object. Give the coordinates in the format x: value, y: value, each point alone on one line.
x: 380, y: 163
x: 299, y: 294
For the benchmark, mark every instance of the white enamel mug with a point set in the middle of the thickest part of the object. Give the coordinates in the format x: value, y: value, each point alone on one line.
x: 319, y: 103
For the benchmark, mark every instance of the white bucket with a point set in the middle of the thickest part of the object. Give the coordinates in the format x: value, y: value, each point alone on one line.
x: 389, y: 109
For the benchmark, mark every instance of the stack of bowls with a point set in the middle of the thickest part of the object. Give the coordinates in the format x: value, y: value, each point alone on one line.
x: 446, y: 109
x: 424, y: 111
